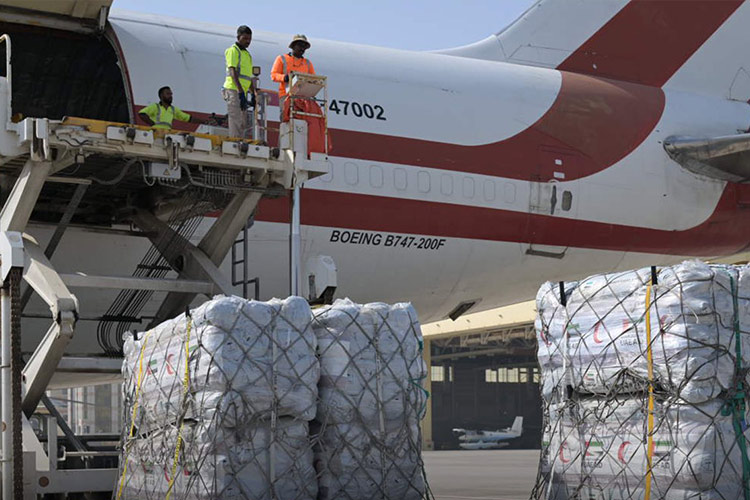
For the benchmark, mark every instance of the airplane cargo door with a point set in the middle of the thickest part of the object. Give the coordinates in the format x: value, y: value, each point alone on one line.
x: 83, y: 12
x: 552, y: 203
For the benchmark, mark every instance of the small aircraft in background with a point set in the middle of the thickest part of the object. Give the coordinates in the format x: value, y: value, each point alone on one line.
x: 487, y: 440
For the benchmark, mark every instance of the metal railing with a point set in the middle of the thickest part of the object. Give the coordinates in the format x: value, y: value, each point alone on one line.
x: 8, y: 73
x: 260, y: 118
x: 322, y: 103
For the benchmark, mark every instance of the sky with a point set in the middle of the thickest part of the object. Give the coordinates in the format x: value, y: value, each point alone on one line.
x: 404, y: 24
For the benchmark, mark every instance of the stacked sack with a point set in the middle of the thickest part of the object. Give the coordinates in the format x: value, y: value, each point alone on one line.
x: 371, y: 401
x: 629, y: 419
x: 235, y: 424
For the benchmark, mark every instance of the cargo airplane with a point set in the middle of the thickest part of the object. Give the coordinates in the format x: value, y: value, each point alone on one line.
x: 585, y: 137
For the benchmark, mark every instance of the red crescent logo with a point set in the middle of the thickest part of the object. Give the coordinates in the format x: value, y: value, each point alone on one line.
x: 621, y: 451
x: 596, y: 333
x: 562, y: 454
x: 170, y: 370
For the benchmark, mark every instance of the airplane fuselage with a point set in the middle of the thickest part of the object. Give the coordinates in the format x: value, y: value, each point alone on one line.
x: 455, y: 179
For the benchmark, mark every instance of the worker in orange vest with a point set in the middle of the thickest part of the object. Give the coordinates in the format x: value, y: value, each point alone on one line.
x: 293, y: 61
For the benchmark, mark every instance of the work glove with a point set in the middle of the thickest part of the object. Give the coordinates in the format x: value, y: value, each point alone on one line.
x: 243, y: 101
x: 252, y: 100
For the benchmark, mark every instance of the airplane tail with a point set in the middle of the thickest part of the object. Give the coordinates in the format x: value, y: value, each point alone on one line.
x: 695, y: 45
x: 517, y: 427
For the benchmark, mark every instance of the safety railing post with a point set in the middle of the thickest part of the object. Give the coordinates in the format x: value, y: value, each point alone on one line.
x: 8, y: 73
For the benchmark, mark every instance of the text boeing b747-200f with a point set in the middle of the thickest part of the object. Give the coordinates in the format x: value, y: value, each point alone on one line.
x: 587, y: 136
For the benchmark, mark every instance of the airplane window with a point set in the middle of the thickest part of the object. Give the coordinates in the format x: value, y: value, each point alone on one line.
x: 489, y: 190
x: 328, y: 177
x: 423, y: 181
x: 446, y: 184
x: 399, y: 179
x: 567, y: 200
x: 351, y: 173
x: 376, y: 176
x: 468, y: 186
x: 510, y: 192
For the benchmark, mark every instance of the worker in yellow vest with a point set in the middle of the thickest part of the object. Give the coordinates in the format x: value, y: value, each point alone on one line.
x: 238, y: 91
x: 293, y: 61
x: 161, y: 114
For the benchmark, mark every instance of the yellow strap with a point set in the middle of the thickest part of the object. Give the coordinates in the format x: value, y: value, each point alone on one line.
x: 132, y: 417
x: 650, y: 425
x: 185, y: 384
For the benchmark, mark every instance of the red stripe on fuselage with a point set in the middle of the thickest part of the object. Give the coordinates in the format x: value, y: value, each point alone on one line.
x: 593, y: 124
x: 649, y: 40
x: 725, y: 232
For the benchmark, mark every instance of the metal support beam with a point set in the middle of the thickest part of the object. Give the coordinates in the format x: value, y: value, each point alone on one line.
x: 19, y: 205
x: 201, y: 262
x: 295, y: 241
x: 193, y: 263
x: 59, y: 420
x: 40, y: 368
x: 130, y: 283
x: 218, y: 240
x: 67, y: 216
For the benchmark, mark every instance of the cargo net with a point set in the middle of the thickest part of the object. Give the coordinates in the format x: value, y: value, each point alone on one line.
x: 644, y: 377
x: 275, y: 402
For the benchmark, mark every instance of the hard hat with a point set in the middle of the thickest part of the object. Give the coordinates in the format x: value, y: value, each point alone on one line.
x: 299, y: 38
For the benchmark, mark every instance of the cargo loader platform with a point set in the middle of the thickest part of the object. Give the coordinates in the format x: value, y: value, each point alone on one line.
x: 102, y: 174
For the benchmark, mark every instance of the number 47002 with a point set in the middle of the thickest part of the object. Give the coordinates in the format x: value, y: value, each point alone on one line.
x: 373, y: 112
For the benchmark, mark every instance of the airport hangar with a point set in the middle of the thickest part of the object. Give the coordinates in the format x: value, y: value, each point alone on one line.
x: 483, y: 373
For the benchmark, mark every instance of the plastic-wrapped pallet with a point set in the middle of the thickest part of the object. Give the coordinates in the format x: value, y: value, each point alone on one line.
x: 371, y: 400
x: 600, y: 446
x: 601, y: 332
x: 629, y: 418
x: 232, y: 422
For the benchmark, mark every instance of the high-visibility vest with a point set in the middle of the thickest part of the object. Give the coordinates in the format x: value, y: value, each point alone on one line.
x: 162, y: 117
x: 307, y: 63
x: 243, y: 66
x: 287, y: 61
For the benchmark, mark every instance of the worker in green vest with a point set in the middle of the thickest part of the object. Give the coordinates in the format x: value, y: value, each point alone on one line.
x: 238, y: 89
x: 161, y: 114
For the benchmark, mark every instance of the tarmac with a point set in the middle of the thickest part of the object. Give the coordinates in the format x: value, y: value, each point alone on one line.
x: 481, y: 474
